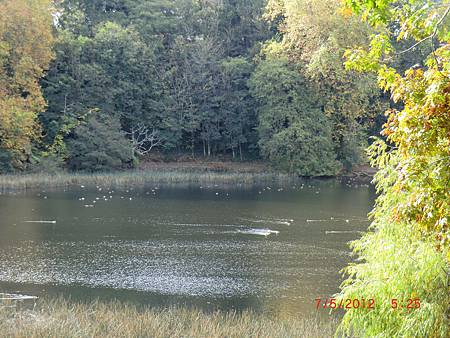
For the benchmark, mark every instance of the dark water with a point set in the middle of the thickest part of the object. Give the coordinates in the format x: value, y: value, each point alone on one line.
x: 268, y: 249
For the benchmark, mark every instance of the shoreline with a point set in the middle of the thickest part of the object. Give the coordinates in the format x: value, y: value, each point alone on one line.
x: 15, y: 182
x: 220, y: 173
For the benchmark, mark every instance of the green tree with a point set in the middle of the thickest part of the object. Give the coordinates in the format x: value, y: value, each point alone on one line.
x: 99, y: 144
x: 241, y: 28
x: 315, y: 35
x: 237, y: 106
x: 112, y: 71
x: 294, y: 133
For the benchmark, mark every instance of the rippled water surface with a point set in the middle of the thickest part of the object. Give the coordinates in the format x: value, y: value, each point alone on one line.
x: 265, y: 248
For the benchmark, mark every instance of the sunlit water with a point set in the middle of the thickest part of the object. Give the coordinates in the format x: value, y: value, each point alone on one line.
x: 265, y: 248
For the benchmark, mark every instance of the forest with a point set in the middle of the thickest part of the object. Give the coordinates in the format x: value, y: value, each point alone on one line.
x: 113, y: 82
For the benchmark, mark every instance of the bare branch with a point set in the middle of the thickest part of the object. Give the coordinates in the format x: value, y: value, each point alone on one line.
x: 143, y: 139
x: 431, y: 36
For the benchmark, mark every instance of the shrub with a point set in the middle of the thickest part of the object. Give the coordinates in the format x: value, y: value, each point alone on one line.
x: 99, y: 145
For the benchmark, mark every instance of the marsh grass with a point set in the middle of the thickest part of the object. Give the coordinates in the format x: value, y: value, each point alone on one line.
x: 62, y: 318
x: 136, y: 178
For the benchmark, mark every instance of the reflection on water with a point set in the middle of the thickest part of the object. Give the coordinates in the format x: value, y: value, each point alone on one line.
x: 267, y: 248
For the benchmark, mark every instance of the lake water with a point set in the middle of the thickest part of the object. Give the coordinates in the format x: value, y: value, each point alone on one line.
x: 236, y: 247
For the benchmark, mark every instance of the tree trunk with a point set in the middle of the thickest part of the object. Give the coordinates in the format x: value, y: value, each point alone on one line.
x: 192, y: 145
x: 240, y: 150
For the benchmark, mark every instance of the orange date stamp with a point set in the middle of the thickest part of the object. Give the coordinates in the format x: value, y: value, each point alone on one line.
x: 361, y: 303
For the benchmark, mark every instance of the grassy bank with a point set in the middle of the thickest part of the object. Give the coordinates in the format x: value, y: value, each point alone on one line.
x: 60, y: 318
x: 135, y: 178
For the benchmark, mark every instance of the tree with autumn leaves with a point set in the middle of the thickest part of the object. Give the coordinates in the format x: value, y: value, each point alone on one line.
x: 406, y: 255
x: 25, y: 53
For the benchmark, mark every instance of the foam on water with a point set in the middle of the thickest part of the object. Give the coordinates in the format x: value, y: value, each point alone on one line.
x: 281, y: 221
x: 50, y: 222
x: 342, y: 232
x: 15, y: 296
x: 260, y: 232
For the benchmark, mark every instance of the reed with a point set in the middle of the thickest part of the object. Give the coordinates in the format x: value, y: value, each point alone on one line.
x: 62, y: 318
x: 135, y: 178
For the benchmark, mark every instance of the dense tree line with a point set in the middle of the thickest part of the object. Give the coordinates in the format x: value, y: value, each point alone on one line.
x: 195, y: 77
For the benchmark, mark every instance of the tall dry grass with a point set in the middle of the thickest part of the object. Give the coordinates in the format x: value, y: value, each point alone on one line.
x: 135, y: 178
x: 62, y: 318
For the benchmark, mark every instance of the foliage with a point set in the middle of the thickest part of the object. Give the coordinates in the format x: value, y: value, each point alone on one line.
x: 181, y: 68
x: 396, y: 264
x: 158, y: 63
x: 315, y: 35
x: 410, y: 230
x: 99, y: 145
x: 5, y: 161
x: 48, y: 164
x: 294, y: 133
x: 25, y: 52
x: 236, y: 104
x: 113, y: 72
